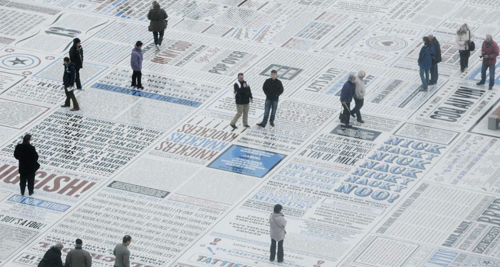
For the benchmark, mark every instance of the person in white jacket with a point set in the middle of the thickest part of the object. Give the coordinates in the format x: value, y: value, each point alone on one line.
x: 359, y: 96
x: 277, y: 224
x: 464, y: 35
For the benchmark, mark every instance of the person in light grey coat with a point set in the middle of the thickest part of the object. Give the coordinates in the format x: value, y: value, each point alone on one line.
x: 277, y: 224
x: 359, y: 96
x: 463, y: 39
x: 78, y: 257
x: 122, y: 254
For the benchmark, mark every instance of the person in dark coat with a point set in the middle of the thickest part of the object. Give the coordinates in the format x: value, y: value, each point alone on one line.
x: 346, y: 96
x: 489, y: 53
x: 437, y: 55
x: 28, y: 165
x: 69, y: 83
x: 76, y: 56
x: 136, y: 64
x: 52, y: 257
x: 425, y: 62
x: 243, y: 97
x: 158, y: 23
x: 78, y: 257
x: 273, y: 88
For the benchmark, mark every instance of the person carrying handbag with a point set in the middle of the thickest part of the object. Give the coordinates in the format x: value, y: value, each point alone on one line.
x: 346, y: 96
x: 158, y: 17
x: 465, y: 45
x: 277, y: 224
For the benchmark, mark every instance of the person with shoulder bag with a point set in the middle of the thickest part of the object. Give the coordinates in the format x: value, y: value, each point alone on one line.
x: 277, y: 224
x: 465, y: 45
x: 346, y: 96
x: 158, y: 17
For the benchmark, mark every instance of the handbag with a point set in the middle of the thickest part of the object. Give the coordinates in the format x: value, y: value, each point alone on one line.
x: 343, y: 117
x: 472, y: 45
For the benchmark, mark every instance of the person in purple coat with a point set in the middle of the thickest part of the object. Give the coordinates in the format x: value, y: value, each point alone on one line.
x: 346, y: 96
x: 136, y: 64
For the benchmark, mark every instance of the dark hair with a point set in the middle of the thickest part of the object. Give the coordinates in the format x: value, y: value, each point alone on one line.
x: 278, y: 208
x: 139, y: 43
x: 240, y: 74
x: 127, y: 238
x: 66, y: 59
x: 79, y: 241
x: 26, y: 138
x: 425, y: 39
x: 274, y: 71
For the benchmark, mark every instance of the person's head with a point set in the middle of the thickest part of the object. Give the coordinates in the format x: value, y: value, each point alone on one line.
x: 431, y: 37
x: 66, y: 61
x: 274, y: 74
x: 156, y: 4
x: 463, y: 29
x: 361, y: 74
x: 138, y: 44
x: 27, y: 139
x: 352, y: 78
x: 425, y: 39
x: 126, y: 240
x: 60, y: 246
x: 240, y: 77
x: 79, y: 242
x: 76, y: 42
x: 277, y: 208
x: 489, y: 38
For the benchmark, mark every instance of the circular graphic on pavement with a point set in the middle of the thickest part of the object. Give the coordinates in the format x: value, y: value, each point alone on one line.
x: 19, y: 61
x: 386, y: 43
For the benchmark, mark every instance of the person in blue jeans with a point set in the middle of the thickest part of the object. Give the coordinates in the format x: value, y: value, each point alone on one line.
x: 273, y: 88
x: 425, y: 62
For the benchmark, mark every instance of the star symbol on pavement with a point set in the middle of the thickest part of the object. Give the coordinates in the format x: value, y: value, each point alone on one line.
x: 18, y: 61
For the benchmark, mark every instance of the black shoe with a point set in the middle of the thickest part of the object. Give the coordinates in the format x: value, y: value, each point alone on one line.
x: 272, y: 124
x: 246, y: 126
x: 79, y: 89
x: 133, y: 86
x: 348, y: 126
x: 140, y: 87
x: 353, y: 115
x: 234, y: 126
x: 479, y: 83
x: 432, y: 83
x: 31, y: 193
x: 361, y: 121
x: 280, y: 261
x: 462, y: 70
x: 261, y: 125
x: 491, y: 87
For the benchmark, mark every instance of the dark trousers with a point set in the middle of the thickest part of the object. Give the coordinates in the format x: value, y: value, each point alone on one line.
x: 158, y: 36
x: 30, y: 178
x: 464, y: 58
x: 137, y: 78
x: 492, y: 74
x: 273, y: 250
x: 77, y: 79
x: 434, y: 73
x: 70, y: 95
x: 347, y: 114
x: 357, y: 108
x: 270, y: 104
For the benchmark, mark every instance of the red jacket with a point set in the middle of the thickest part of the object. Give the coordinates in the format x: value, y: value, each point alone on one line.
x: 491, y: 51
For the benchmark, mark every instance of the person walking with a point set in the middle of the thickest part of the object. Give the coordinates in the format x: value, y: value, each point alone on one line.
x: 78, y: 257
x: 28, y: 164
x: 122, y: 254
x: 273, y: 88
x: 463, y: 39
x: 52, y: 257
x: 243, y: 97
x: 359, y: 96
x: 346, y: 96
x: 69, y: 83
x: 277, y: 223
x: 158, y: 23
x: 425, y: 62
x: 489, y: 54
x: 76, y: 56
x: 436, y: 46
x: 136, y: 64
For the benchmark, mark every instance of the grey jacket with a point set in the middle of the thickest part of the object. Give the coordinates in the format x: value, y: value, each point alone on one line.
x: 78, y: 257
x: 360, y: 91
x: 278, y: 223
x: 122, y: 255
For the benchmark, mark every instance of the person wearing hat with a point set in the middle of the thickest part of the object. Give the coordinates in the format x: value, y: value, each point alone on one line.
x: 136, y: 64
x: 158, y: 17
x: 76, y: 56
x: 78, y: 257
x: 28, y: 165
x: 52, y: 257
